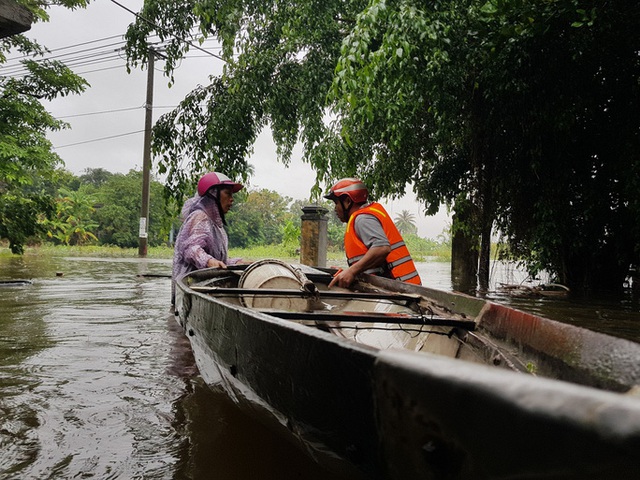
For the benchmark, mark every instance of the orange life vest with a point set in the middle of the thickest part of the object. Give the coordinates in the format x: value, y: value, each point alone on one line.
x: 399, y: 261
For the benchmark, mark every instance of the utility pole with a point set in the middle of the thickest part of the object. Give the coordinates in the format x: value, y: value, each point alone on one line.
x: 146, y: 160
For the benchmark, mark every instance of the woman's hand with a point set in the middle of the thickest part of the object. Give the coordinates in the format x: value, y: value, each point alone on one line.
x: 213, y: 263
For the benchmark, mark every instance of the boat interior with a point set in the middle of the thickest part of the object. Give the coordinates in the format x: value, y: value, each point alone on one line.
x: 365, y: 313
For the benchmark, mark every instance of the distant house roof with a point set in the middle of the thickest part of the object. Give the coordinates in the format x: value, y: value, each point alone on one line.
x: 14, y: 18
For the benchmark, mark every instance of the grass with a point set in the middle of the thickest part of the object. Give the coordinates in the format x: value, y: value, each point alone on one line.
x: 439, y: 252
x: 102, y: 251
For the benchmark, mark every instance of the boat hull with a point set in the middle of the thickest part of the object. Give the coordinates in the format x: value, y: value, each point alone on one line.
x: 302, y: 381
x: 368, y: 412
x: 441, y: 418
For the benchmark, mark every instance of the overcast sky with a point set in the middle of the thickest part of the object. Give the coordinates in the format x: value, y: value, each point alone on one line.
x: 107, y: 121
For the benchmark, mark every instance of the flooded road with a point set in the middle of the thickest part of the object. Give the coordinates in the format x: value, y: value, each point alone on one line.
x: 97, y: 380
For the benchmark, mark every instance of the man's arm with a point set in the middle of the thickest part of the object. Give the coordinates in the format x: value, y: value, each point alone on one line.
x: 375, y: 257
x: 369, y: 230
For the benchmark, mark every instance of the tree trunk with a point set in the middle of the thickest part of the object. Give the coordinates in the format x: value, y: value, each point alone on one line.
x: 484, y: 262
x: 486, y: 223
x: 464, y: 255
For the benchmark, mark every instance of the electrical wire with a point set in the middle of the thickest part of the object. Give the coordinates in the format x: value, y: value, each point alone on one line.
x: 98, y: 139
x: 98, y: 52
x: 21, y: 57
x: 102, y: 112
x: 158, y: 28
x: 71, y: 60
x: 116, y: 111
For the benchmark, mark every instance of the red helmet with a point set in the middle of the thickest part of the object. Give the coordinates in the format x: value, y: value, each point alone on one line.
x: 214, y: 179
x: 354, y: 188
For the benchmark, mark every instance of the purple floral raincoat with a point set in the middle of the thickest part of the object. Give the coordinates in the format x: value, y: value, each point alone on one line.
x: 201, y: 237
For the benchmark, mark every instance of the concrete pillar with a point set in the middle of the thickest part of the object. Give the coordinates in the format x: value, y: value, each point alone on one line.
x: 313, y: 241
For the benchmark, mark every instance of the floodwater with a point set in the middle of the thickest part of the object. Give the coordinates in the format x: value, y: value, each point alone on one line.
x: 97, y: 380
x: 614, y: 314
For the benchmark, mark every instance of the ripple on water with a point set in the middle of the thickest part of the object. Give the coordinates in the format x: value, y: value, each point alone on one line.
x: 88, y: 396
x: 97, y: 380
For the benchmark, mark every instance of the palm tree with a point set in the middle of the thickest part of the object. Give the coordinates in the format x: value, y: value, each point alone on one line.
x: 72, y: 224
x: 406, y: 223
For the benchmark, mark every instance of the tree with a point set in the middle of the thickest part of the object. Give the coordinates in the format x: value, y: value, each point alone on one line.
x: 95, y: 176
x: 279, y: 61
x: 258, y: 218
x: 519, y: 114
x: 27, y: 162
x: 118, y: 211
x: 406, y: 223
x: 580, y: 216
x: 72, y: 224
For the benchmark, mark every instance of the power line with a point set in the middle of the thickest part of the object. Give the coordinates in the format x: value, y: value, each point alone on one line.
x: 71, y: 59
x: 70, y: 46
x: 95, y: 55
x: 102, y: 112
x: 157, y: 27
x: 75, y: 58
x: 116, y: 111
x: 98, y: 139
x: 99, y: 70
x: 77, y: 52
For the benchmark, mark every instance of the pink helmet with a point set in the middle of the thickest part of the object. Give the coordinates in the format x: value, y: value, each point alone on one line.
x: 214, y: 179
x: 352, y: 187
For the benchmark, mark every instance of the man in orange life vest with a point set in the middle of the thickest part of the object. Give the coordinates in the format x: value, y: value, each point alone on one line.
x: 372, y: 242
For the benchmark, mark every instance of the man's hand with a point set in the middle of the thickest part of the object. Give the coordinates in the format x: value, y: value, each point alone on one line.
x: 375, y: 257
x: 343, y: 278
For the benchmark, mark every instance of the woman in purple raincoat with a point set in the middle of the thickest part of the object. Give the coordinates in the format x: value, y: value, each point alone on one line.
x: 202, y: 240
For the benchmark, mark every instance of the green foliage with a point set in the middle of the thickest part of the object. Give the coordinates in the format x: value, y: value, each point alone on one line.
x: 258, y: 217
x: 39, y: 8
x: 63, y: 179
x: 100, y: 251
x: 27, y: 162
x: 422, y: 249
x: 524, y: 114
x: 406, y: 223
x: 291, y: 237
x: 279, y: 66
x: 95, y: 177
x: 72, y: 223
x: 166, y: 252
x: 519, y: 109
x: 118, y: 211
x: 573, y: 149
x: 19, y: 216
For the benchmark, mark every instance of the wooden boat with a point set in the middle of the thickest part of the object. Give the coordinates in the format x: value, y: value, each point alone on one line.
x: 15, y: 282
x: 392, y: 380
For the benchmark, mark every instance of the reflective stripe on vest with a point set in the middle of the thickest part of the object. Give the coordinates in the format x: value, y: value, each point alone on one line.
x: 399, y: 261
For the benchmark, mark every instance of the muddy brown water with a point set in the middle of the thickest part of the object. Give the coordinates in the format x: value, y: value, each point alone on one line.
x: 97, y: 380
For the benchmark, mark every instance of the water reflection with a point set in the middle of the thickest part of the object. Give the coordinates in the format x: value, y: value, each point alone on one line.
x: 96, y: 380
x: 617, y: 315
